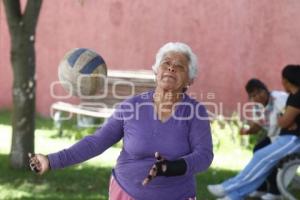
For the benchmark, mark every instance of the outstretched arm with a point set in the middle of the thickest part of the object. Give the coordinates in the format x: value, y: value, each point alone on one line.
x: 90, y: 146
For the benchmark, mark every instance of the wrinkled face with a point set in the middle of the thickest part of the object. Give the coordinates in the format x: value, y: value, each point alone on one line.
x: 259, y: 96
x: 172, y: 74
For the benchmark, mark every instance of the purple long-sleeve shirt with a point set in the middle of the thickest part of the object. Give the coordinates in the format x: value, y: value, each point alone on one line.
x: 186, y: 134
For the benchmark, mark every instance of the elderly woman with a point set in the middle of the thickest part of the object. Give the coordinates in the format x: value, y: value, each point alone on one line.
x: 166, y: 136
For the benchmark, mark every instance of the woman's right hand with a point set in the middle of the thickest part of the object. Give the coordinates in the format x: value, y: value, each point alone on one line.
x: 38, y: 163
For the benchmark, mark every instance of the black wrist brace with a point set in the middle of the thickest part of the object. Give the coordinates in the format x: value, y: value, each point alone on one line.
x: 174, y: 168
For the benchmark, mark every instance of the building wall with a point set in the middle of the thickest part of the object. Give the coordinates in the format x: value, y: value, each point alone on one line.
x: 234, y: 39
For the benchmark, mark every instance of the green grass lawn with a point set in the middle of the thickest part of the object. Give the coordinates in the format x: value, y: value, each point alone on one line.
x: 90, y: 179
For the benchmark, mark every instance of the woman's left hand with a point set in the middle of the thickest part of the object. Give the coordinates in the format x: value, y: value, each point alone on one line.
x: 158, y: 168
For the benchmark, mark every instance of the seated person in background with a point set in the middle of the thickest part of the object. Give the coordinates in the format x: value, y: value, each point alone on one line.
x: 265, y: 114
x: 266, y: 158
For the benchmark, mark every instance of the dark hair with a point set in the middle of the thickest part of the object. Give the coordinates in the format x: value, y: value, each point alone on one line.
x: 292, y: 74
x: 255, y: 84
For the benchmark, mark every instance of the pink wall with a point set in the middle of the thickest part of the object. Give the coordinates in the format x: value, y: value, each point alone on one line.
x: 234, y: 39
x: 5, y: 67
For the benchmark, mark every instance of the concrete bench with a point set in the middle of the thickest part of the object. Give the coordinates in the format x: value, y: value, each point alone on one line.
x: 120, y: 86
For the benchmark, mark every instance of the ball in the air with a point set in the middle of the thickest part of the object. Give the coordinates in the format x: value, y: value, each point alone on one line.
x: 82, y: 72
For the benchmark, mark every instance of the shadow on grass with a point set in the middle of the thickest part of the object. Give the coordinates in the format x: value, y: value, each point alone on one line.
x: 79, y: 182
x: 82, y: 182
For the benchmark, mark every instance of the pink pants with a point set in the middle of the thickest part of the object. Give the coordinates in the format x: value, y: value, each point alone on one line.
x: 117, y: 193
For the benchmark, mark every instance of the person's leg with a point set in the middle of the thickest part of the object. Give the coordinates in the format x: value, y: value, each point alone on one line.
x: 259, y: 167
x: 272, y: 182
x: 264, y: 142
x: 219, y: 191
x: 246, y: 189
x: 261, y: 144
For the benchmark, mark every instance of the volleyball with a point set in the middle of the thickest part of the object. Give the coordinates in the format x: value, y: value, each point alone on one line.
x: 82, y: 72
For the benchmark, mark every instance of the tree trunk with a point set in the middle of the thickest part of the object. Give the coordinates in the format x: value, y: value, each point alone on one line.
x: 22, y: 32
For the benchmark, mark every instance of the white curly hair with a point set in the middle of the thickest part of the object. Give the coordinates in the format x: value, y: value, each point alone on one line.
x: 181, y: 48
